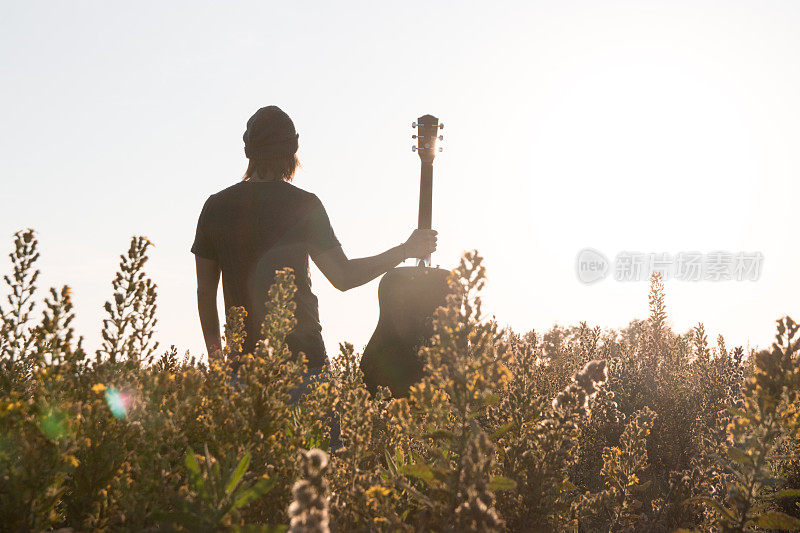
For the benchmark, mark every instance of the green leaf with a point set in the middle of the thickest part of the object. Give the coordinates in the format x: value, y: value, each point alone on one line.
x: 778, y: 520
x: 417, y: 457
x: 210, y: 464
x: 441, y: 474
x: 414, y: 493
x: 195, y: 477
x: 500, y: 483
x: 418, y: 470
x: 255, y: 491
x: 191, y: 462
x: 440, y: 434
x: 771, y: 481
x: 490, y: 399
x: 502, y: 430
x: 216, y: 479
x: 739, y: 456
x: 390, y: 463
x: 399, y: 456
x: 739, y: 412
x: 238, y: 474
x: 785, y: 493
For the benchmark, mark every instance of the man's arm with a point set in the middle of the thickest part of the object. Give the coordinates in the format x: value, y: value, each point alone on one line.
x: 344, y: 273
x: 207, y: 283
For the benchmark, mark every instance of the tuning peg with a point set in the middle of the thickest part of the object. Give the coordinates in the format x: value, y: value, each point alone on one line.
x: 414, y: 148
x: 441, y: 137
x: 440, y: 148
x: 414, y: 124
x: 441, y: 125
x: 413, y: 136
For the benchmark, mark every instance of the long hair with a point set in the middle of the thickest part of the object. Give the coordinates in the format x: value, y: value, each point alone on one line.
x: 281, y: 167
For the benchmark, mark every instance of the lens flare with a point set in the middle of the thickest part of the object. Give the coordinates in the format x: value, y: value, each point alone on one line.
x: 118, y: 402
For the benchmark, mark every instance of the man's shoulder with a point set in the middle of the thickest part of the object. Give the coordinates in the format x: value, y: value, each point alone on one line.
x: 227, y: 192
x: 244, y: 197
x: 282, y: 188
x: 299, y: 193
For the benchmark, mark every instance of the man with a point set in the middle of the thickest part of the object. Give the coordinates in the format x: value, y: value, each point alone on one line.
x: 263, y: 223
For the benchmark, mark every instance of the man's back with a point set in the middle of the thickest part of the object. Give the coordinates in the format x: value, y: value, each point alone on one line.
x: 254, y: 228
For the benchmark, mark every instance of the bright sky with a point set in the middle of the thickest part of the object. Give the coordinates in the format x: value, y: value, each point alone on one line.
x: 621, y: 126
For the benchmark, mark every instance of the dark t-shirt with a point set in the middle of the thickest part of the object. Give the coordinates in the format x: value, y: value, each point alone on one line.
x: 253, y: 229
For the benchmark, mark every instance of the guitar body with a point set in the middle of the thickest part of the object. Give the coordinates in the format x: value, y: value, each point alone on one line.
x: 408, y: 297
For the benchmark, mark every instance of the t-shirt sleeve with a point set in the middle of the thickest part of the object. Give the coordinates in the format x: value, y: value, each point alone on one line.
x: 203, y: 247
x: 319, y: 233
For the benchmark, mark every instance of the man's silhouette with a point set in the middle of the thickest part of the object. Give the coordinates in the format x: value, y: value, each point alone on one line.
x: 263, y: 223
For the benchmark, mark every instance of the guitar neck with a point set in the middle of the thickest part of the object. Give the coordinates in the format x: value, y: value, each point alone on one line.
x: 425, y: 202
x: 427, y: 134
x: 425, y: 196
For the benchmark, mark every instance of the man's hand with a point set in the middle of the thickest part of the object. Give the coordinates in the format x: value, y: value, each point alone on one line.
x: 421, y: 243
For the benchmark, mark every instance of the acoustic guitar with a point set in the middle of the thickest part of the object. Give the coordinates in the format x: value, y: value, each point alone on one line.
x: 408, y: 295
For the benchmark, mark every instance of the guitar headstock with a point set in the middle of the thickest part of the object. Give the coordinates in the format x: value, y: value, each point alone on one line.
x: 428, y: 128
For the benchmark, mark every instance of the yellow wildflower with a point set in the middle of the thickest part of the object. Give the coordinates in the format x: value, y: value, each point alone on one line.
x: 377, y: 490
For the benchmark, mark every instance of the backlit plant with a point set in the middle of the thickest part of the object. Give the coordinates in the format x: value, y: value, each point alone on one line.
x: 571, y: 429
